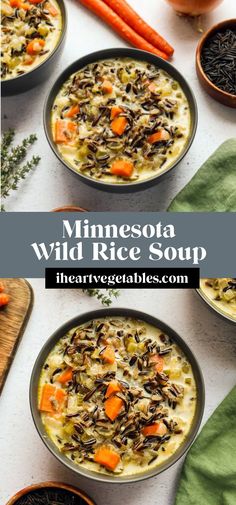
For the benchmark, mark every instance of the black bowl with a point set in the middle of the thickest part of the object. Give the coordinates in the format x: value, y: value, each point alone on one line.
x: 136, y: 54
x: 215, y: 308
x: 40, y: 73
x: 116, y: 312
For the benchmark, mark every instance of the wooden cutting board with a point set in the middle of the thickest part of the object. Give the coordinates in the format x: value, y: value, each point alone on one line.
x: 13, y: 320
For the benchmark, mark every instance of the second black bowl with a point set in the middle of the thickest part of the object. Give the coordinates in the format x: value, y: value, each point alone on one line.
x: 39, y: 73
x: 136, y: 54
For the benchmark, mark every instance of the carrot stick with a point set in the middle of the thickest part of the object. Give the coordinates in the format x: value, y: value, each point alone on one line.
x: 123, y: 168
x: 111, y: 18
x: 130, y: 16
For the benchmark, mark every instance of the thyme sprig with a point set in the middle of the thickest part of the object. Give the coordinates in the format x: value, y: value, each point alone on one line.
x: 105, y: 298
x: 12, y: 168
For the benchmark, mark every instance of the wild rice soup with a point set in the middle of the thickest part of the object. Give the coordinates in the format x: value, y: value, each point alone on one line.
x: 222, y: 294
x: 120, y: 120
x: 117, y: 395
x: 30, y: 31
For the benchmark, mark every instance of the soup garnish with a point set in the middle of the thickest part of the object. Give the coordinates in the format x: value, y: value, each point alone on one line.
x: 117, y: 395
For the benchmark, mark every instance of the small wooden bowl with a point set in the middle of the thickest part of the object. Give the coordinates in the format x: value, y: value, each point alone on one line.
x: 50, y: 484
x: 212, y: 90
x: 69, y: 208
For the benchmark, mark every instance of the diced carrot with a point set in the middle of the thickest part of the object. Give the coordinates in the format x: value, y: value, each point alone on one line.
x: 19, y: 4
x: 113, y: 407
x: 28, y: 60
x: 65, y: 376
x: 35, y: 46
x: 73, y: 111
x: 159, y: 362
x: 52, y: 399
x: 130, y: 16
x: 108, y: 355
x: 16, y: 3
x: 72, y: 127
x: 35, y: 1
x: 64, y: 131
x: 60, y: 131
x: 114, y: 20
x: 4, y: 299
x: 107, y: 457
x: 112, y: 388
x: 26, y: 6
x: 118, y: 125
x: 51, y: 9
x: 154, y: 429
x: 123, y: 168
x: 107, y: 87
x: 115, y: 111
x: 1, y: 287
x: 158, y: 136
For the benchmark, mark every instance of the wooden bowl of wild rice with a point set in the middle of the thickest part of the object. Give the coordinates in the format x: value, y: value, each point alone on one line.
x: 50, y: 492
x: 216, y: 62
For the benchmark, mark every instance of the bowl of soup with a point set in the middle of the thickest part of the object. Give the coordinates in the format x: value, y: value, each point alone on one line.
x: 32, y: 38
x: 220, y: 295
x: 120, y: 119
x: 116, y: 395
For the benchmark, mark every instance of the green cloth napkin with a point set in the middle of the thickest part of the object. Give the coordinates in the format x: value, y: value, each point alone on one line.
x: 209, y: 471
x: 213, y: 187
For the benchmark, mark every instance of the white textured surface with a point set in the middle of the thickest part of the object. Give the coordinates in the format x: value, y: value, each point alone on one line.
x: 25, y: 460
x: 51, y: 185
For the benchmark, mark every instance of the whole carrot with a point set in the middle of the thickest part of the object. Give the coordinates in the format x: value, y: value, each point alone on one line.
x: 111, y: 18
x: 130, y: 16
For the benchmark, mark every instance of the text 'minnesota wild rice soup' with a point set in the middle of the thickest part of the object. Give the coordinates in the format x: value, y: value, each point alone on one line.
x: 222, y: 293
x: 117, y: 395
x: 120, y: 120
x: 30, y: 31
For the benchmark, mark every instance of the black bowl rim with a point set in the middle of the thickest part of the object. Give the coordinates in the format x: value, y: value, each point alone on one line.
x: 214, y: 308
x: 131, y: 53
x: 121, y: 312
x: 64, y: 16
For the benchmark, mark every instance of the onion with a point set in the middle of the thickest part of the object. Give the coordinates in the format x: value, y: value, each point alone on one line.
x: 194, y: 7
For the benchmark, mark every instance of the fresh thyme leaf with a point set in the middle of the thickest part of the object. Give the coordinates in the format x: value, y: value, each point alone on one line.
x: 105, y: 298
x: 13, y: 170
